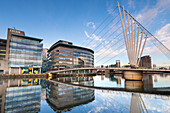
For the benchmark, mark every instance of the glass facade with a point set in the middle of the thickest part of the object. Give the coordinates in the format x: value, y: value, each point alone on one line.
x: 60, y: 59
x: 82, y: 58
x: 25, y: 53
x: 65, y: 55
x: 23, y: 99
x: 2, y: 49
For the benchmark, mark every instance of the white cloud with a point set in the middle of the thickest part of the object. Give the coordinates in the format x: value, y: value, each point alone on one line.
x: 108, y: 51
x: 91, y: 24
x: 131, y: 4
x: 94, y: 39
x: 162, y: 35
x: 87, y: 35
x: 148, y: 14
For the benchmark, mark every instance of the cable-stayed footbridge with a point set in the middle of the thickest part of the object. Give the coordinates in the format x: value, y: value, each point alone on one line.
x: 118, y: 33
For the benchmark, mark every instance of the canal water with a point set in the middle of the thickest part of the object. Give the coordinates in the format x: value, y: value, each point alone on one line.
x: 97, y: 94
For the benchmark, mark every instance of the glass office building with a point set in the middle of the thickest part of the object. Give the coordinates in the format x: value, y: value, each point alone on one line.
x: 2, y: 49
x: 63, y: 54
x: 82, y: 58
x: 3, y: 60
x: 25, y: 53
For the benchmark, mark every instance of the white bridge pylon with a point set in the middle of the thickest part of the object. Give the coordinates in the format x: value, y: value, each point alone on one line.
x: 135, y: 36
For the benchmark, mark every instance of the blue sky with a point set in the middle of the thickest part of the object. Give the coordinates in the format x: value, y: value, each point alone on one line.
x: 74, y: 20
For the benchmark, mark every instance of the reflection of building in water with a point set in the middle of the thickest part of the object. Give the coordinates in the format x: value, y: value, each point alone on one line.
x: 119, y: 81
x: 43, y: 93
x: 23, y: 99
x: 20, y: 99
x: 3, y: 85
x: 62, y: 97
x: 102, y: 77
x: 155, y: 79
x: 148, y: 81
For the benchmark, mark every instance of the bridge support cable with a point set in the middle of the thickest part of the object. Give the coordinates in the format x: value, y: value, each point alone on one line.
x: 108, y: 32
x: 160, y: 46
x: 113, y: 44
x: 110, y: 42
x: 123, y: 29
x: 109, y: 53
x: 103, y: 29
x: 109, y: 48
x: 142, y: 50
x: 136, y: 57
x: 136, y: 44
x: 99, y: 25
x: 114, y: 56
x: 138, y: 51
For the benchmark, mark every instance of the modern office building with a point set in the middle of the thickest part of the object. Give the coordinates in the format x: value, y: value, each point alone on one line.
x: 3, y: 59
x: 145, y: 62
x: 64, y: 54
x: 24, y: 53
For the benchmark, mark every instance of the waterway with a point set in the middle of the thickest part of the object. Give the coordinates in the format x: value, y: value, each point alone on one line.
x: 93, y: 94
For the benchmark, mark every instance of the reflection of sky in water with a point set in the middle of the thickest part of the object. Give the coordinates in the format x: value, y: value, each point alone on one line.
x: 157, y: 104
x: 118, y: 102
x: 113, y: 101
x: 161, y: 81
x: 45, y: 108
x: 107, y: 102
x: 107, y: 82
x: 157, y: 79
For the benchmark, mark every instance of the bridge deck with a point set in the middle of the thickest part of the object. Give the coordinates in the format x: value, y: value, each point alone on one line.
x: 116, y: 69
x: 157, y: 91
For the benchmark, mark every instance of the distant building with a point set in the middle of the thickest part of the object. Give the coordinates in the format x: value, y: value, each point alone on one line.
x: 117, y: 63
x: 154, y: 65
x: 64, y: 54
x: 44, y: 61
x: 45, y: 52
x: 23, y: 53
x: 145, y: 62
x: 3, y: 59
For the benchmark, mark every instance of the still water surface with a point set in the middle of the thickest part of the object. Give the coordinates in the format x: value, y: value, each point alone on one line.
x: 61, y: 95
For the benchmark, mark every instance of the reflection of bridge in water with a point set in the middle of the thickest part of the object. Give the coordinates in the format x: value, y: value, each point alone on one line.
x: 135, y: 91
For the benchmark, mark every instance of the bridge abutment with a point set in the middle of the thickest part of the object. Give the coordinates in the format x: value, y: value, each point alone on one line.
x: 133, y: 75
